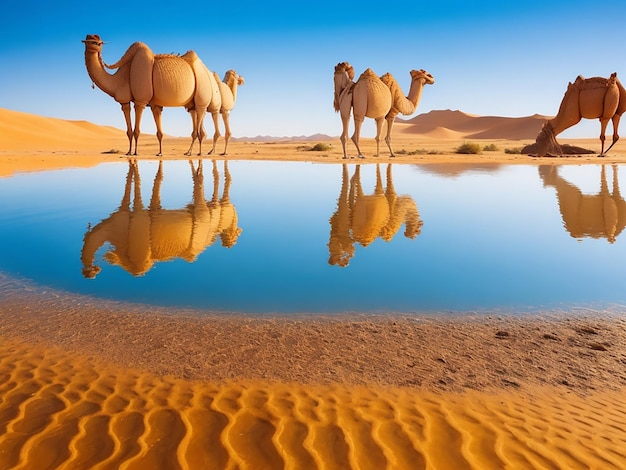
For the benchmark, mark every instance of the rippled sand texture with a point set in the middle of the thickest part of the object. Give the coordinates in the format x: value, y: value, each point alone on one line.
x: 58, y: 411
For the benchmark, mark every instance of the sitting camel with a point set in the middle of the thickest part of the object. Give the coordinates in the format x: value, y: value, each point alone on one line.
x: 601, y: 215
x: 158, y: 81
x: 590, y: 98
x: 362, y: 218
x: 141, y: 237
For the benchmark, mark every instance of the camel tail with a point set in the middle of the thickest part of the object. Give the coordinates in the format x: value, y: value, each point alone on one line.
x: 128, y: 55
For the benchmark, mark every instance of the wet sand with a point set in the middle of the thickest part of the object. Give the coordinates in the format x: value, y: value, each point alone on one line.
x: 92, y: 384
x: 89, y: 384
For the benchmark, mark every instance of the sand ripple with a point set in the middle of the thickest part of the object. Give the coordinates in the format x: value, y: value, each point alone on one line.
x: 62, y: 411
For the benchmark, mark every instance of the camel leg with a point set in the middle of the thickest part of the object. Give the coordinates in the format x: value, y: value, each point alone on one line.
x: 216, y: 134
x: 129, y: 126
x: 616, y: 120
x: 156, y: 112
x: 379, y: 132
x: 138, y: 113
x: 603, y: 123
x: 345, y: 122
x: 388, y: 137
x: 200, y: 129
x: 194, y: 129
x: 356, y: 135
x: 227, y: 134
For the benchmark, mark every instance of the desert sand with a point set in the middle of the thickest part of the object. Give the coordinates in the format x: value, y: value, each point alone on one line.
x: 92, y: 384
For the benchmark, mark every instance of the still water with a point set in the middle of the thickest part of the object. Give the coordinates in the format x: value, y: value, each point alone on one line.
x: 300, y: 237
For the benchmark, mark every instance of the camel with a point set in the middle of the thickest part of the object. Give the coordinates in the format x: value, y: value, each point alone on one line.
x: 601, y: 215
x: 590, y: 98
x: 405, y: 105
x: 158, y: 81
x: 362, y: 218
x: 368, y: 97
x: 141, y: 237
x: 344, y: 86
x: 228, y: 92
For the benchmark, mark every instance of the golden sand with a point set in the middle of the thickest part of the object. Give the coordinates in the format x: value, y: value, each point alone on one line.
x: 88, y: 384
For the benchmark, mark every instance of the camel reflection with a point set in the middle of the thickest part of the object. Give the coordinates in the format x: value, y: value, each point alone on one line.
x: 601, y: 215
x: 362, y: 218
x: 140, y: 237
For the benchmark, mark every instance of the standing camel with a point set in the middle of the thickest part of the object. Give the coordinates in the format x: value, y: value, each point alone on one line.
x: 590, y: 98
x: 370, y: 98
x: 228, y: 91
x: 344, y: 86
x: 401, y: 104
x: 158, y: 81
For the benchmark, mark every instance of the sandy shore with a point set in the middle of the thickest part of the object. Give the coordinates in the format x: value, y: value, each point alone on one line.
x: 88, y: 384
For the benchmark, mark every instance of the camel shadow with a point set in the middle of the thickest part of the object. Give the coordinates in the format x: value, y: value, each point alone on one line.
x: 139, y: 237
x: 362, y: 218
x: 601, y: 215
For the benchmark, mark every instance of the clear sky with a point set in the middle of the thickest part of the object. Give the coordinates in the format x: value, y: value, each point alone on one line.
x: 500, y: 58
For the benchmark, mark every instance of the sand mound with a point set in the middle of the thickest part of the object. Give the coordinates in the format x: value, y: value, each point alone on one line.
x: 468, y: 126
x: 23, y: 131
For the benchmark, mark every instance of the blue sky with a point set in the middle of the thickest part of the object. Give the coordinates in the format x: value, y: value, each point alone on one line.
x: 506, y: 58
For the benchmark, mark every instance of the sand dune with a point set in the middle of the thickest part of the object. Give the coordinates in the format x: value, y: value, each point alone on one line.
x: 58, y: 410
x: 461, y: 125
x: 23, y: 131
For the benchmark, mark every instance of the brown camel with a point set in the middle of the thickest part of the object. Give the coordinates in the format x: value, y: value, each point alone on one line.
x: 140, y: 237
x: 161, y: 80
x: 601, y: 215
x: 344, y: 86
x: 401, y: 104
x: 590, y: 98
x: 370, y: 98
x: 228, y: 91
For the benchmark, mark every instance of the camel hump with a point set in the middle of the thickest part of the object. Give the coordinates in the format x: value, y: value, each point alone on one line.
x: 595, y: 82
x: 368, y: 73
x: 134, y: 49
x: 190, y: 57
x: 391, y: 82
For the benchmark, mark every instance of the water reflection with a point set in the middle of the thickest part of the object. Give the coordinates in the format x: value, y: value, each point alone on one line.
x: 601, y: 215
x: 362, y: 218
x: 140, y: 237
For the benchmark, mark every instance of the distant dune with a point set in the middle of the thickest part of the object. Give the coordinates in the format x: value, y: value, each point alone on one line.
x: 23, y: 131
x: 450, y: 124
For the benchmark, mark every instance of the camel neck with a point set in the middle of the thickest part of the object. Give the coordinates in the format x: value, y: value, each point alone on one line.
x: 97, y: 73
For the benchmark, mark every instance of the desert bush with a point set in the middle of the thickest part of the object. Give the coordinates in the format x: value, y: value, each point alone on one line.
x: 514, y: 150
x: 321, y: 147
x: 490, y: 148
x: 469, y: 147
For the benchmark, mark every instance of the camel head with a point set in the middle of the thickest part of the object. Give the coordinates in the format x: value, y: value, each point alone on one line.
x: 422, y: 74
x: 546, y: 141
x: 232, y: 76
x: 345, y: 67
x: 93, y: 43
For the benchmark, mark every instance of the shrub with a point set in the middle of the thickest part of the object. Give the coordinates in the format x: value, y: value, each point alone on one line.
x: 468, y: 148
x: 321, y: 147
x: 490, y: 148
x: 515, y: 150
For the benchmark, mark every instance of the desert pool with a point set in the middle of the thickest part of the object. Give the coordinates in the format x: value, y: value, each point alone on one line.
x: 291, y: 237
